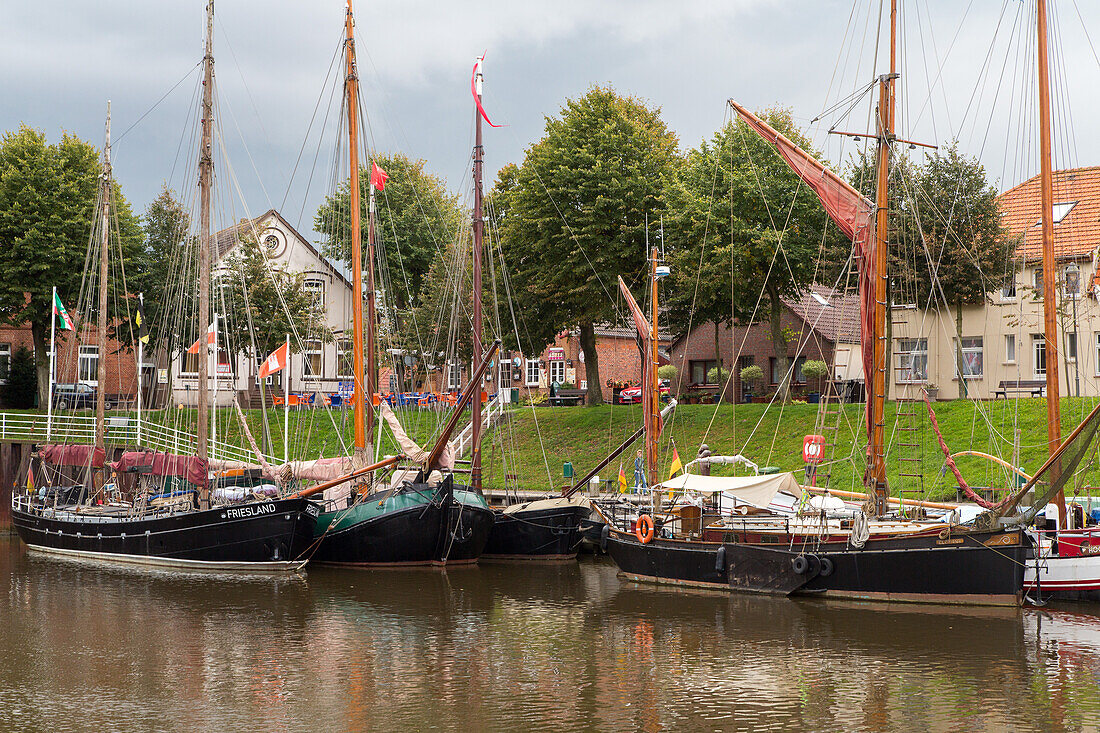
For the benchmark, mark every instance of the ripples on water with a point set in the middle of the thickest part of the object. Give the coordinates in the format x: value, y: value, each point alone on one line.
x: 91, y: 647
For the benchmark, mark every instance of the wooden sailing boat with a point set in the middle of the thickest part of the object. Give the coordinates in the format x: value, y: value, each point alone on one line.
x: 133, y: 524
x: 420, y: 517
x: 870, y: 557
x: 544, y: 530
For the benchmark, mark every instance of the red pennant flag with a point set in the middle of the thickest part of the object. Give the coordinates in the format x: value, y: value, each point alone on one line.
x: 477, y: 92
x: 378, y: 177
x: 195, y: 347
x: 275, y: 361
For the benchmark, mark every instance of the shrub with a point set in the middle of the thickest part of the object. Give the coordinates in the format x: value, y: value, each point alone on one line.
x: 752, y: 374
x: 22, y: 382
x: 668, y: 371
x: 814, y: 369
x: 717, y: 375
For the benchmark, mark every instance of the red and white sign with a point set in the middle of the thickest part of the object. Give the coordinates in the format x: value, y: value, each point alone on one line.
x: 555, y: 354
x: 813, y: 448
x: 274, y: 362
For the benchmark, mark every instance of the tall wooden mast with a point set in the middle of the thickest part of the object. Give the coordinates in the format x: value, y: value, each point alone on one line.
x: 206, y: 175
x: 352, y: 85
x: 101, y: 336
x: 478, y: 224
x: 1050, y: 314
x: 876, y: 427
x: 653, y: 404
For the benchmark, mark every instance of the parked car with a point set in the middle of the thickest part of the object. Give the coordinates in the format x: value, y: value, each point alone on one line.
x: 77, y: 396
x: 632, y: 395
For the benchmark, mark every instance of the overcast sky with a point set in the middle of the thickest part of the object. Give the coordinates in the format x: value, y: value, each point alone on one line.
x: 968, y: 72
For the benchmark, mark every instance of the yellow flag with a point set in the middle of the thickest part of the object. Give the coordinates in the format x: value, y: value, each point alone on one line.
x: 622, y: 481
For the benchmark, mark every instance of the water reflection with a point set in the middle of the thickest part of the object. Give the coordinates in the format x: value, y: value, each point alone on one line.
x: 87, y: 647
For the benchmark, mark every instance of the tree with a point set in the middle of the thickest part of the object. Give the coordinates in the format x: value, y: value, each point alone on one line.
x: 169, y: 268
x: 47, y: 215
x: 956, y: 208
x: 415, y: 217
x: 21, y: 381
x: 739, y: 215
x: 266, y: 303
x: 575, y: 217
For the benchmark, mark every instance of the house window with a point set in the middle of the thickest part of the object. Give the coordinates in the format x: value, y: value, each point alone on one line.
x: 532, y: 372
x: 799, y: 377
x: 1039, y: 354
x: 1008, y: 291
x: 557, y: 371
x: 454, y: 375
x: 225, y: 367
x: 1037, y: 282
x: 1071, y: 346
x: 312, y: 359
x: 315, y: 288
x: 700, y: 369
x: 773, y: 370
x: 344, y: 354
x: 190, y: 363
x: 5, y: 361
x: 88, y: 368
x: 504, y: 373
x: 972, y: 357
x: 1010, y: 348
x: 912, y: 360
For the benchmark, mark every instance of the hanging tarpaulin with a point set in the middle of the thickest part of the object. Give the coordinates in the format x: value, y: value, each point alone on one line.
x: 74, y: 455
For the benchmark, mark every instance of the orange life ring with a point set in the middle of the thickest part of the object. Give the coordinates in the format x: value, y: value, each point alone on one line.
x: 643, y: 530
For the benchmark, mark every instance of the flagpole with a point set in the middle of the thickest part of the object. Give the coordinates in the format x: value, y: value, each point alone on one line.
x: 286, y: 404
x: 140, y: 359
x: 49, y: 389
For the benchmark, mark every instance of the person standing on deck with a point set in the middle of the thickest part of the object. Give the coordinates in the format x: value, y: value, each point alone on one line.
x: 639, y: 473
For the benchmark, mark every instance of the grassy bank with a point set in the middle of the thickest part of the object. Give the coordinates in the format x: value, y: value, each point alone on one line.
x: 534, y: 443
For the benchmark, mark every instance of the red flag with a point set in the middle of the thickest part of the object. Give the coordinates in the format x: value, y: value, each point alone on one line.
x: 378, y: 177
x: 275, y: 361
x: 194, y: 348
x: 477, y: 92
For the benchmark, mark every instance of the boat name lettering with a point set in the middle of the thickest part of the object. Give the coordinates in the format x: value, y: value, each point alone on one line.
x: 950, y: 541
x: 249, y: 511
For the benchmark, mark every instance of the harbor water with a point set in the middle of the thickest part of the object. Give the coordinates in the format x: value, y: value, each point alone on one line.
x: 90, y: 647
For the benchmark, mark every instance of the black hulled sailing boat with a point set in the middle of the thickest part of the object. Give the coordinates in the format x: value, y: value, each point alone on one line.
x: 152, y: 508
x: 541, y: 530
x: 870, y: 557
x: 420, y: 517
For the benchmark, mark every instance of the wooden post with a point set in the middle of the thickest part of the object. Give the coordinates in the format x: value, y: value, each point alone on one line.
x: 101, y: 334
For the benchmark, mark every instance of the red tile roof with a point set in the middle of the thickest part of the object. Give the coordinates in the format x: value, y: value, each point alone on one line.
x: 837, y: 321
x: 1077, y: 235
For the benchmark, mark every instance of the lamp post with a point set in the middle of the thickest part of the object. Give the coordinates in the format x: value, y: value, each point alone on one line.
x: 1072, y: 288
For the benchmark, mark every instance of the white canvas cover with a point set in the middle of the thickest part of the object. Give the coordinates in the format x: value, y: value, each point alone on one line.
x: 755, y: 490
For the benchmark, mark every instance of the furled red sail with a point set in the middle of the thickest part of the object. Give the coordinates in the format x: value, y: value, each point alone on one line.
x: 191, y: 468
x: 74, y: 455
x: 645, y: 336
x: 848, y: 208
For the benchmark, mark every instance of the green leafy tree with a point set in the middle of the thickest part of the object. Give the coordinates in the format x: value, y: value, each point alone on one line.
x: 169, y: 270
x: 574, y: 216
x: 264, y: 303
x: 47, y: 215
x: 743, y: 233
x: 956, y: 208
x: 22, y: 381
x: 415, y: 217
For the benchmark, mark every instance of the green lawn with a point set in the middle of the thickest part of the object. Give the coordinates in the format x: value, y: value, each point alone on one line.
x: 535, y: 442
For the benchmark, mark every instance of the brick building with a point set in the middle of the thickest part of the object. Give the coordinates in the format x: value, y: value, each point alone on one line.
x: 822, y: 324
x: 562, y: 362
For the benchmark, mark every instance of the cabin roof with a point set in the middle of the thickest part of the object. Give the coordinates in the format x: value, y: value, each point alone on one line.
x: 1077, y: 227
